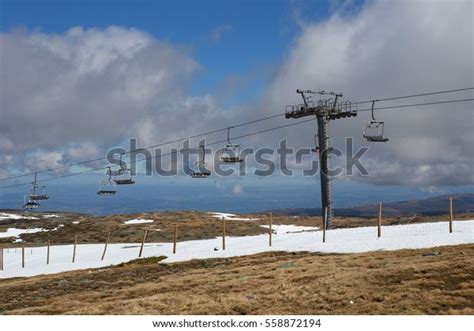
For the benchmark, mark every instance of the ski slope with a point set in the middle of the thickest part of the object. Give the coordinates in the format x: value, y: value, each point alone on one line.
x: 287, y: 238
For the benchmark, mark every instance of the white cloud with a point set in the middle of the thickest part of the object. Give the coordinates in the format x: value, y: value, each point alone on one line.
x: 392, y: 48
x: 85, y: 85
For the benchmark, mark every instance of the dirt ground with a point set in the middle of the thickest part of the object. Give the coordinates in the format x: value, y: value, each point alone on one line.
x: 437, y: 280
x: 192, y: 225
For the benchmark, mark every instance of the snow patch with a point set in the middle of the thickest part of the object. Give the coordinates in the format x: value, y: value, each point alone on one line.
x: 7, y: 216
x: 231, y: 217
x: 13, y: 232
x: 50, y: 216
x: 138, y: 221
x: 283, y: 228
x: 76, y: 222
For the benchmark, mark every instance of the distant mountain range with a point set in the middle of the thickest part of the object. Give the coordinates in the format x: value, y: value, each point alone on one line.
x: 462, y: 203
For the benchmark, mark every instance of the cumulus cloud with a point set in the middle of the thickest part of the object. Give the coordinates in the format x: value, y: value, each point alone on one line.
x: 85, y: 84
x: 393, y: 48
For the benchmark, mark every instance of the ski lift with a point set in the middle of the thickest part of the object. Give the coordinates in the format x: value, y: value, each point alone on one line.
x: 201, y: 166
x: 373, y: 130
x: 107, y: 186
x: 29, y: 203
x: 35, y: 188
x: 231, y: 153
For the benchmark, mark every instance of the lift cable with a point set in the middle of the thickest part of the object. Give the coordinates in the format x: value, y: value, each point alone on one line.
x: 418, y: 104
x: 414, y: 95
x: 161, y: 155
x: 143, y: 148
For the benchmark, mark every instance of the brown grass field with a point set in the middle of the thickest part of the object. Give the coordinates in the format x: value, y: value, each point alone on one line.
x: 391, y: 282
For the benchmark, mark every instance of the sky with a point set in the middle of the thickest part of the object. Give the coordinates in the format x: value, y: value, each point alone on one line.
x: 79, y: 77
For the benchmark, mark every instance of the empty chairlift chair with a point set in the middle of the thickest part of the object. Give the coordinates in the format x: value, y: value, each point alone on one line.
x: 123, y: 171
x: 107, y: 186
x: 201, y: 167
x: 38, y: 192
x: 231, y: 152
x: 373, y: 130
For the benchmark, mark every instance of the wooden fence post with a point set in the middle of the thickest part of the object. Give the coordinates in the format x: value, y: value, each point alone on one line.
x: 105, y: 247
x: 175, y: 237
x: 223, y: 233
x: 74, y: 250
x: 450, y: 215
x: 47, y: 252
x: 324, y: 223
x: 143, y: 243
x: 379, y: 221
x: 22, y: 256
x: 1, y: 258
x: 270, y: 231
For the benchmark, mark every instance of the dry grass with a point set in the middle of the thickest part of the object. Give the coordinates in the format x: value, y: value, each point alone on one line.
x: 395, y: 282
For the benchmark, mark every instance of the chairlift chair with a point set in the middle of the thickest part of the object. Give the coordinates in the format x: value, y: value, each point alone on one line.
x: 231, y: 153
x: 373, y: 130
x: 107, y: 186
x: 34, y: 195
x: 201, y: 167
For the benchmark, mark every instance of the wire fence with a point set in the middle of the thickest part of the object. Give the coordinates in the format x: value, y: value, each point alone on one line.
x: 24, y: 261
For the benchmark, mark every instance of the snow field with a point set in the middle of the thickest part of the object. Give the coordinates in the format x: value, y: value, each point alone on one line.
x: 287, y: 238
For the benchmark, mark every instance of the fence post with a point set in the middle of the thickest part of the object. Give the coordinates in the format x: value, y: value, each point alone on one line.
x: 175, y: 238
x: 1, y: 258
x: 450, y: 215
x: 324, y: 223
x: 105, y: 247
x: 47, y: 252
x: 379, y: 222
x: 223, y: 233
x: 74, y: 250
x: 143, y: 243
x: 22, y: 256
x: 270, y: 231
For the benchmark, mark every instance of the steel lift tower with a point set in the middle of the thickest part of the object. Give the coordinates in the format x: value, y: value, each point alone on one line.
x: 325, y: 109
